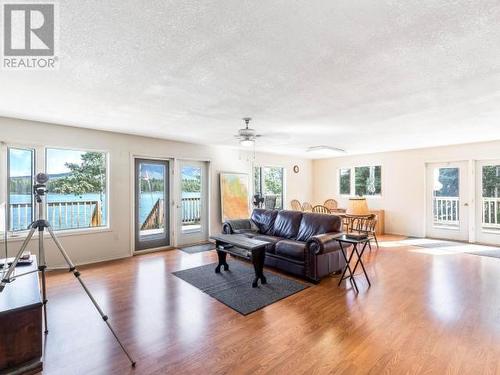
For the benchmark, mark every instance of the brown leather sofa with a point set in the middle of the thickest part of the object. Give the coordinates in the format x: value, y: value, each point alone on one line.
x: 300, y: 243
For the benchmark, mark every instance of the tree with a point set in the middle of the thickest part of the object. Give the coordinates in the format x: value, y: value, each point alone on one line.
x: 86, y: 177
x: 367, y: 180
x: 449, y: 182
x: 491, y: 181
x: 191, y: 185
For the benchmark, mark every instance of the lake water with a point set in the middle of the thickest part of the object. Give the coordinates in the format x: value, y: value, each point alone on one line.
x: 22, y: 217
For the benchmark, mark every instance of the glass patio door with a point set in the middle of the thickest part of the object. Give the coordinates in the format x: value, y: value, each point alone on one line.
x: 488, y: 202
x: 192, y: 202
x: 151, y: 204
x: 447, y: 204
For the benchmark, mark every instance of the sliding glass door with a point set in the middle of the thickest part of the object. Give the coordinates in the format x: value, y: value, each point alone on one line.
x: 269, y: 184
x: 152, y: 227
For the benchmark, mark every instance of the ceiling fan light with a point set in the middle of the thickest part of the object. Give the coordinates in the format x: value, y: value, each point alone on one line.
x: 247, y: 142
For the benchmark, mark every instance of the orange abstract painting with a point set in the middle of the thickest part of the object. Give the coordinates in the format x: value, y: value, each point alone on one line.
x: 234, y: 196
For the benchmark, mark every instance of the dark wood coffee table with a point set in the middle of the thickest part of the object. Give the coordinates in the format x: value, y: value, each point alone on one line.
x: 244, y: 247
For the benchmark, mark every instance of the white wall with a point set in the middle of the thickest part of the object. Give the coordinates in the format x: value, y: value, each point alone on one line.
x: 403, y: 180
x: 116, y: 243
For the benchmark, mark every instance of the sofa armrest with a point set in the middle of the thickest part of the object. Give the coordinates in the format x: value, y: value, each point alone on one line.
x: 324, y: 243
x: 234, y: 226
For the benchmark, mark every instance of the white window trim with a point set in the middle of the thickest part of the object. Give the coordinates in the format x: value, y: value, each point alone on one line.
x: 352, y: 184
x: 40, y: 166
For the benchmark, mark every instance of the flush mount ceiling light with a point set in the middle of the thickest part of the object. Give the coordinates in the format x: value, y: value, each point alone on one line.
x: 325, y: 150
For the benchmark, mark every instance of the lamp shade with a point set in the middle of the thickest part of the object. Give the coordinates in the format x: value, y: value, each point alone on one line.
x: 357, y: 207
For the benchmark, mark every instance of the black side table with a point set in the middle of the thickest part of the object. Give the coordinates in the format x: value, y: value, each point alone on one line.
x: 343, y: 240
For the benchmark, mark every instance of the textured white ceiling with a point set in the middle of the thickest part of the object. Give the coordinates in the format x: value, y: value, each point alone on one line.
x: 360, y: 75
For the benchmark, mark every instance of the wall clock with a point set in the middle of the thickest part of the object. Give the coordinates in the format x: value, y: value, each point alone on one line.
x: 296, y: 168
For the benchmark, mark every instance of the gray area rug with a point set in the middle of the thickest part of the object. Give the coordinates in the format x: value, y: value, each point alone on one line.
x: 234, y: 287
x: 198, y: 248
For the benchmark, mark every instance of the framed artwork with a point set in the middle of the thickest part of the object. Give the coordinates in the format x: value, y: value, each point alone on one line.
x: 234, y: 196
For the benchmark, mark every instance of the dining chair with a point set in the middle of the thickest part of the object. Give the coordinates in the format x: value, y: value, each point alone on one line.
x: 366, y: 225
x: 331, y: 204
x: 270, y: 202
x: 307, y: 207
x: 295, y: 204
x: 320, y: 209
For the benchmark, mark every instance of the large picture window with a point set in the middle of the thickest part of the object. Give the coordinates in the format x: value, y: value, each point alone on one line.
x: 19, y: 188
x: 76, y: 189
x: 361, y: 181
x: 269, y: 184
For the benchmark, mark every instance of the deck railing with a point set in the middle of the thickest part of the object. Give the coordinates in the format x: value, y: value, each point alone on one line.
x: 61, y: 215
x: 191, y: 210
x: 86, y: 214
x: 491, y: 213
x: 446, y: 210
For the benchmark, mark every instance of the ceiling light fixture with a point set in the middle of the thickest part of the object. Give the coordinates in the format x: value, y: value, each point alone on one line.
x: 247, y: 142
x: 326, y: 150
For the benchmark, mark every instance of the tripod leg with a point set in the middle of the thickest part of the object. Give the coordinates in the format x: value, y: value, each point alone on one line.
x: 42, y: 267
x: 6, y: 279
x: 73, y: 269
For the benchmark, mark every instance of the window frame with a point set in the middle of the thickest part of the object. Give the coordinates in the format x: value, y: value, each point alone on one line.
x: 40, y: 166
x: 352, y: 181
x: 283, y: 181
x: 6, y: 178
x: 106, y: 190
x: 339, y: 174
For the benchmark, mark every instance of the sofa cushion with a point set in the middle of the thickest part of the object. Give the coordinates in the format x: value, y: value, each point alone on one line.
x: 291, y: 249
x: 264, y: 220
x: 313, y: 224
x: 287, y: 224
x: 271, y: 239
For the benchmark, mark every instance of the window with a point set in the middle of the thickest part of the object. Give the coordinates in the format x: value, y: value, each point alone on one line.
x: 76, y: 189
x: 345, y: 181
x: 366, y: 181
x: 19, y: 188
x: 269, y: 183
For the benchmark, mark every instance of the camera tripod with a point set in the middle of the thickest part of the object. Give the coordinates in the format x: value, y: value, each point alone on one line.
x: 41, y: 225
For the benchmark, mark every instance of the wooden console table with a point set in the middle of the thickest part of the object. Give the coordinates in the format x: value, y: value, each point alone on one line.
x: 21, y: 324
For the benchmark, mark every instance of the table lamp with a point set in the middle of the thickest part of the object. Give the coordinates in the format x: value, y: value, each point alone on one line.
x: 357, y: 207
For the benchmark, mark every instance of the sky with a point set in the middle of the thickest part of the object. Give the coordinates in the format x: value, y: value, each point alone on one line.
x: 156, y: 171
x: 20, y: 161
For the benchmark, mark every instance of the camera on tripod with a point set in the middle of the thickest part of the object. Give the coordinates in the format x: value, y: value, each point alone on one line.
x: 40, y: 187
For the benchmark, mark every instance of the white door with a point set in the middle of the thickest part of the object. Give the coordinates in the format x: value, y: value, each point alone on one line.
x: 488, y: 202
x: 447, y: 201
x: 192, y: 202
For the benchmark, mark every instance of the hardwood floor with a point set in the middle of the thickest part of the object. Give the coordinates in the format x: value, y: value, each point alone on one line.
x: 428, y: 312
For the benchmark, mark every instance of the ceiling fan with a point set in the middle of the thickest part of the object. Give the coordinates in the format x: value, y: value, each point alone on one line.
x: 246, y: 135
